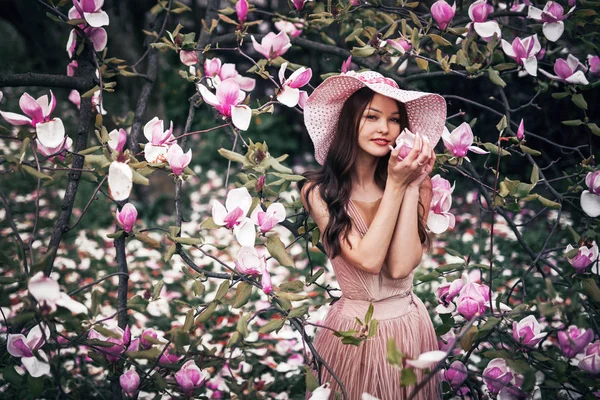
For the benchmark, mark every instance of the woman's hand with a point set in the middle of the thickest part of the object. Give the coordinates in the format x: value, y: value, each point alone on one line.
x: 414, y: 168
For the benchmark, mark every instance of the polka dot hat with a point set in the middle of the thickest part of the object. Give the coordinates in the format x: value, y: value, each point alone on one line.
x: 426, y: 111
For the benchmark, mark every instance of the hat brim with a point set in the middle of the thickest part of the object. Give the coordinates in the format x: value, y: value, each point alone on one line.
x: 426, y: 112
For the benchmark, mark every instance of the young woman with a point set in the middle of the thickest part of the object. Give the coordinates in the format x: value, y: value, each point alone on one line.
x: 371, y: 207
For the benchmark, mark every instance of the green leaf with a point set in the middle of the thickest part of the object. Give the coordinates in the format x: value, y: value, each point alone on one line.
x: 365, y: 51
x: 209, y: 223
x: 369, y: 313
x: 408, y: 377
x: 572, y: 122
x: 594, y: 128
x: 149, y: 354
x: 373, y: 328
x: 576, y: 237
x: 453, y: 252
x: 590, y: 287
x: 313, y: 278
x: 188, y: 241
x: 579, y: 101
x: 422, y: 64
x: 147, y: 239
x: 501, y: 126
x: 242, y: 294
x: 529, y: 150
x: 35, y: 173
x: 157, y: 288
x: 298, y: 312
x: 292, y: 287
x: 518, y: 310
x: 437, y: 39
x: 11, y: 376
x: 90, y: 92
x: 36, y: 386
x: 222, y: 290
x: 233, y: 156
x: 429, y: 277
x: 271, y: 326
x: 242, y: 325
x: 450, y: 267
x: 392, y: 354
x: 288, y: 177
x: 207, y: 313
x: 137, y: 303
x: 492, y: 148
x: 311, y: 380
x: 489, y: 324
x: 277, y: 250
x: 560, y: 95
x: 548, y: 203
x: 467, y: 340
x: 495, y: 78
x: 170, y: 252
x: 535, y: 174
x: 189, y: 321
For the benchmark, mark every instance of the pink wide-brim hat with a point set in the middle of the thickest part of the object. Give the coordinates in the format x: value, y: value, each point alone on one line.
x: 426, y: 111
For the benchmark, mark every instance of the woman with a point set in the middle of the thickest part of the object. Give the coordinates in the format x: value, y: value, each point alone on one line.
x: 371, y: 208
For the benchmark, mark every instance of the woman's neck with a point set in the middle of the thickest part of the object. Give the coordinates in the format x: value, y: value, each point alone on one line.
x: 363, y: 174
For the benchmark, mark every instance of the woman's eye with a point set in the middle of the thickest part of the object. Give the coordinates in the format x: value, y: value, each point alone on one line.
x: 395, y: 120
x: 372, y: 117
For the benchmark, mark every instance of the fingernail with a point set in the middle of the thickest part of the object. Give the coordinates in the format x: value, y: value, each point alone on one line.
x: 390, y: 147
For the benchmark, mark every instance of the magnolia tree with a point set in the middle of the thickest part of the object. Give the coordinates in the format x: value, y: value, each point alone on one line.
x: 222, y: 299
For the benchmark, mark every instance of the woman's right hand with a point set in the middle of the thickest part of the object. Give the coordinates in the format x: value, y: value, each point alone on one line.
x: 401, y: 173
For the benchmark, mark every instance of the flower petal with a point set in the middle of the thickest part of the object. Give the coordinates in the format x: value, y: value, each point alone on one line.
x: 553, y: 30
x: 438, y: 223
x: 241, y: 116
x: 530, y: 65
x: 577, y: 78
x: 289, y: 96
x: 590, y: 203
x: 120, y: 180
x: 245, y: 233
x: 428, y: 359
x: 51, y: 134
x: 15, y: 119
x: 35, y: 367
x: 218, y: 213
x: 32, y: 108
x: 96, y: 19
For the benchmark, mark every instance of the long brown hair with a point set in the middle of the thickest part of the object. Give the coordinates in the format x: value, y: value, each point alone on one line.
x: 334, y: 178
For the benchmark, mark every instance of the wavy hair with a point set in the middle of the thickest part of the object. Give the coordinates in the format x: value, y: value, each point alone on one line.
x: 333, y: 179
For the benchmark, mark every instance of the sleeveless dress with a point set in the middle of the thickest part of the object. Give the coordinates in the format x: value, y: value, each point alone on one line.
x: 401, y: 315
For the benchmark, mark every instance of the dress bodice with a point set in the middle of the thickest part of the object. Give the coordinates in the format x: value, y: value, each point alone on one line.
x: 360, y: 285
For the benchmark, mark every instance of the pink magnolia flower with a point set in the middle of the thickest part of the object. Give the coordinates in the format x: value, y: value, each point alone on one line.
x: 478, y: 12
x: 49, y: 151
x: 291, y: 28
x: 456, y: 374
x: 97, y: 36
x: 120, y: 180
x: 447, y: 291
x: 266, y: 281
x: 591, y: 362
x: 521, y: 130
x: 524, y: 52
x: 72, y: 68
x: 594, y: 62
x: 117, y: 141
x: 120, y: 345
x: 228, y: 101
x: 168, y: 357
x: 75, y: 98
x: 189, y: 377
x: 241, y: 8
x: 528, y: 331
x: 552, y: 16
x: 177, y: 159
x: 405, y: 141
x: 266, y: 220
x: 146, y: 336
x: 568, y: 71
x: 127, y: 216
x: 590, y: 199
x: 249, y: 262
x: 428, y: 359
x: 46, y: 292
x: 443, y: 13
x: 473, y: 300
x: 346, y: 65
x: 218, y: 73
x: 400, y: 44
x: 289, y: 94
x: 584, y: 258
x: 260, y: 184
x: 447, y: 341
x: 130, y: 381
x: 573, y: 340
x: 273, y: 45
x: 188, y: 57
x: 159, y: 140
x: 497, y: 375
x: 460, y: 141
x: 233, y: 215
x: 18, y: 345
x: 298, y: 4
x: 38, y: 111
x: 440, y: 219
x: 91, y: 11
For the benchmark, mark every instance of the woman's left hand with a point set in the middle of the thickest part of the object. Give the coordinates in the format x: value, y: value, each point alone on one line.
x: 426, y: 167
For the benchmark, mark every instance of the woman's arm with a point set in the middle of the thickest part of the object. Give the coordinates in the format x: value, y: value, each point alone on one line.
x: 369, y: 252
x: 406, y: 250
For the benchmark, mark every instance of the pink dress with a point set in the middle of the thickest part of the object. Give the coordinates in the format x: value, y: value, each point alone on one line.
x: 401, y: 315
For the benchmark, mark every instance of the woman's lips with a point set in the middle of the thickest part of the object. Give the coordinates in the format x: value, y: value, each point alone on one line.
x: 381, y: 142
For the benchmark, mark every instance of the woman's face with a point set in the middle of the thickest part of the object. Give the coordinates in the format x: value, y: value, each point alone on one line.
x: 379, y: 126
